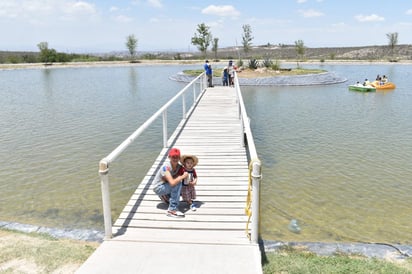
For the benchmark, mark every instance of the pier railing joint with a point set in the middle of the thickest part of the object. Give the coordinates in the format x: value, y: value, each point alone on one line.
x: 103, y: 167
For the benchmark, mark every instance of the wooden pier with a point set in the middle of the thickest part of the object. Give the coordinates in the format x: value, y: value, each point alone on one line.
x: 213, y: 239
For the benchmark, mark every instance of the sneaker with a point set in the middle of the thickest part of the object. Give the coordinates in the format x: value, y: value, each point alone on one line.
x: 193, y: 207
x: 175, y: 214
x: 164, y: 198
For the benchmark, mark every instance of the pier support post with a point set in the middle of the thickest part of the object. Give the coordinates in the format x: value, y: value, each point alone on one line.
x: 107, y: 212
x: 256, y: 177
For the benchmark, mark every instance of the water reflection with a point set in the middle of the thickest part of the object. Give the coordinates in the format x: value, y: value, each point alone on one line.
x: 133, y: 80
x: 47, y: 84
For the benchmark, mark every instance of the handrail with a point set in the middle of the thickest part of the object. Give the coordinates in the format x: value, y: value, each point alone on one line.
x: 105, y: 162
x: 255, y: 164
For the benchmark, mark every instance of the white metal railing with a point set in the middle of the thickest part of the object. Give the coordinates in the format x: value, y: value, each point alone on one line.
x: 199, y: 81
x: 255, y: 164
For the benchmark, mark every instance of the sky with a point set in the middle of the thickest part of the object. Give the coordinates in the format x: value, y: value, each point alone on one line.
x: 98, y: 26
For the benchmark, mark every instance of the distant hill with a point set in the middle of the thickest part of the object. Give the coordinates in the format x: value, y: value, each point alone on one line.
x: 288, y: 52
x: 272, y: 52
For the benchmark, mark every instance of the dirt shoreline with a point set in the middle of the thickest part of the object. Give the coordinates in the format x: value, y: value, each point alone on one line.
x: 181, y: 62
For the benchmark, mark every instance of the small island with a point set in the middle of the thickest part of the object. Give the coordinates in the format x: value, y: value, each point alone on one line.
x: 270, y: 77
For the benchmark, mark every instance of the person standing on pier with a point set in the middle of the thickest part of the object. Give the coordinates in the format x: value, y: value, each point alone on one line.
x: 209, y: 73
x: 225, y: 77
x: 168, y: 183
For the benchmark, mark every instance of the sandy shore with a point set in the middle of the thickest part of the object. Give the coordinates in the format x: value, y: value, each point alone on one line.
x: 182, y: 62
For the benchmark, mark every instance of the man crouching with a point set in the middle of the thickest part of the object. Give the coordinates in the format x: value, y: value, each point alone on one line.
x: 168, y: 183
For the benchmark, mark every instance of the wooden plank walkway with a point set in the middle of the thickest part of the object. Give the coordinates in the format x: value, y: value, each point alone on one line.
x: 212, y: 239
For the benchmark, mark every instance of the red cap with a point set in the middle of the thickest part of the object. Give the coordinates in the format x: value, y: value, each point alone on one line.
x: 174, y: 152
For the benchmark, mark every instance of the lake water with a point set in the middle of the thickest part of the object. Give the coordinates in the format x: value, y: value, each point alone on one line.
x: 338, y: 161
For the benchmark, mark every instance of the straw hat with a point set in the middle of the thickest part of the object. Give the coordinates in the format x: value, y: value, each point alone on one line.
x: 193, y: 157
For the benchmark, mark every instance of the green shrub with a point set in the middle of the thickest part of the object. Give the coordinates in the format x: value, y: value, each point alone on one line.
x: 267, y: 63
x: 276, y: 65
x: 253, y: 64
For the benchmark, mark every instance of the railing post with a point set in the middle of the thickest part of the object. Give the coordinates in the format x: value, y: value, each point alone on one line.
x: 184, y: 106
x: 242, y: 132
x: 256, y: 178
x: 240, y: 114
x: 107, y: 212
x: 194, y: 93
x: 204, y: 82
x: 164, y: 128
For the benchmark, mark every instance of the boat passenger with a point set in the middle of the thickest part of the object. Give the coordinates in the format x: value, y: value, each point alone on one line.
x: 366, y: 83
x: 384, y: 79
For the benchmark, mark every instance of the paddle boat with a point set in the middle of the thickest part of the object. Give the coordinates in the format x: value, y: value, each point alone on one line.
x: 387, y: 85
x: 360, y: 87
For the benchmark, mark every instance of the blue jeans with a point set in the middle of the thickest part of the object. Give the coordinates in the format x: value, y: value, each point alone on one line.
x: 173, y: 191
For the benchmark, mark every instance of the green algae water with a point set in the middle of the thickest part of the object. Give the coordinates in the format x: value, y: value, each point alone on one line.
x: 335, y: 160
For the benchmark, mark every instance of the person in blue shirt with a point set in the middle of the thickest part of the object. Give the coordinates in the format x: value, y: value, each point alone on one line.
x: 225, y: 76
x: 209, y: 73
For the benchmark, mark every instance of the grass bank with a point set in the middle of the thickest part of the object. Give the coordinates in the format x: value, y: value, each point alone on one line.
x: 38, y: 253
x: 290, y: 260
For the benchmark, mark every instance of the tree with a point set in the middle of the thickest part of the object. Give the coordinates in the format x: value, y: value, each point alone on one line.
x: 215, y: 46
x: 393, y: 41
x: 46, y: 55
x: 300, y: 50
x: 247, y: 38
x: 202, y: 41
x: 131, y: 44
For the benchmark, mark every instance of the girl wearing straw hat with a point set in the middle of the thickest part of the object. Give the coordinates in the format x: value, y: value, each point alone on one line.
x: 188, y: 188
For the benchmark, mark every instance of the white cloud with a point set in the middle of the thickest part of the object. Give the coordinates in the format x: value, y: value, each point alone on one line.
x: 8, y: 9
x: 405, y: 24
x: 19, y: 8
x: 310, y: 13
x: 225, y: 11
x: 301, y: 1
x: 369, y: 18
x: 79, y: 8
x: 41, y: 10
x: 113, y: 9
x: 409, y: 12
x: 123, y: 19
x: 339, y: 25
x: 155, y: 3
